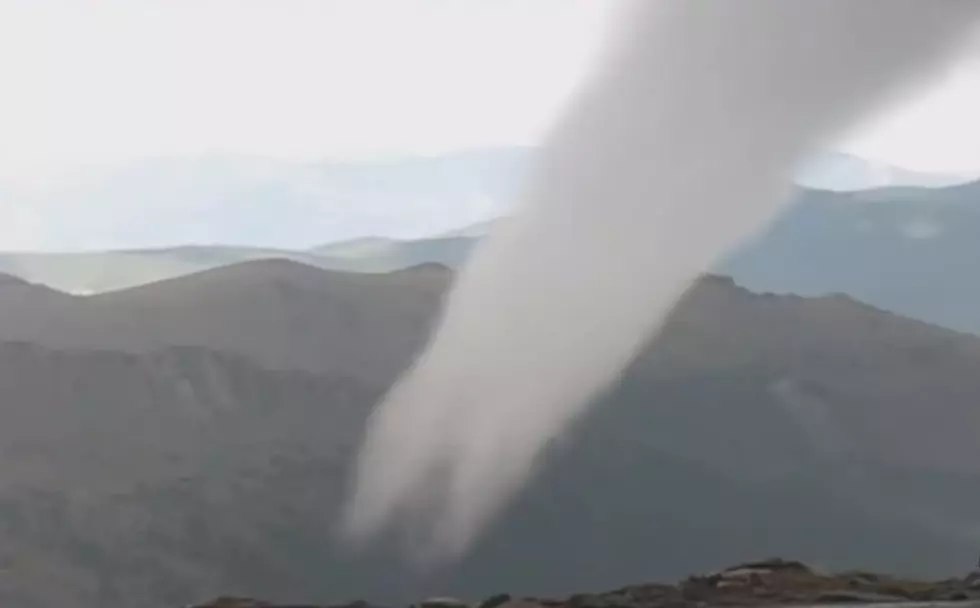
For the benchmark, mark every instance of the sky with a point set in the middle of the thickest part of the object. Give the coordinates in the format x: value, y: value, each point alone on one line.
x: 97, y: 81
x: 91, y: 84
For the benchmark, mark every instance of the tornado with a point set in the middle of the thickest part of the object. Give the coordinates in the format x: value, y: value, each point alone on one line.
x: 681, y: 143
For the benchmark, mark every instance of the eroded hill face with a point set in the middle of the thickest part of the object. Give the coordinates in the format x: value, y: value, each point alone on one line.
x: 193, y: 439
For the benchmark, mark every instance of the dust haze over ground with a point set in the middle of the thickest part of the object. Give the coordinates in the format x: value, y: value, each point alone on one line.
x: 682, y: 144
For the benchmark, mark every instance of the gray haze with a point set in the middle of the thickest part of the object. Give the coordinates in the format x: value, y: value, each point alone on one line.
x: 699, y: 103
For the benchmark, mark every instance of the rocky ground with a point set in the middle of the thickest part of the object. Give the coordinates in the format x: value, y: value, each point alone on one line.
x: 771, y: 582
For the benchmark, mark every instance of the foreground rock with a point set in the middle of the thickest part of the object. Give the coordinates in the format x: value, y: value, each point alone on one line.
x: 770, y: 582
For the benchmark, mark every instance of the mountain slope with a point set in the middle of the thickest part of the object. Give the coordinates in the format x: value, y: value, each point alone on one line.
x: 160, y: 478
x: 152, y: 453
x: 285, y: 315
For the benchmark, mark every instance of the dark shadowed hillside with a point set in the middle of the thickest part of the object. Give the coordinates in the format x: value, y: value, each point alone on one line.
x: 193, y: 438
x: 283, y: 314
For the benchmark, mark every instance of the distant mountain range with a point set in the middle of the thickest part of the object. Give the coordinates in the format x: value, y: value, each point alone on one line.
x: 903, y: 249
x: 97, y: 272
x: 842, y: 172
x: 267, y: 203
x: 272, y: 204
x: 907, y: 249
x: 193, y: 437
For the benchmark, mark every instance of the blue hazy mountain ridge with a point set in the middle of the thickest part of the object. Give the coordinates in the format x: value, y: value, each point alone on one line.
x: 900, y: 240
x: 908, y: 250
x: 844, y: 172
x: 273, y: 204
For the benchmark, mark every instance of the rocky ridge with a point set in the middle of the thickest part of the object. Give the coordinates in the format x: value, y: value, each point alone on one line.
x: 773, y: 582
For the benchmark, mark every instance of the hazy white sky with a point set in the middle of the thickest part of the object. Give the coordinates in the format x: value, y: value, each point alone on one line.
x: 104, y: 80
x: 94, y: 81
x: 90, y: 86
